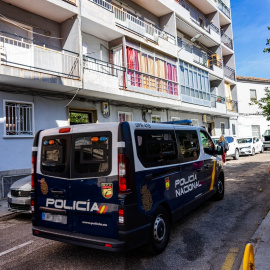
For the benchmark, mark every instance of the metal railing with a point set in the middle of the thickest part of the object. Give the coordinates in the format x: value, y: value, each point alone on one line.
x: 229, y: 73
x: 232, y: 106
x: 198, y: 17
x: 135, y: 24
x: 97, y: 65
x: 216, y: 99
x: 226, y: 40
x: 222, y: 6
x: 27, y: 54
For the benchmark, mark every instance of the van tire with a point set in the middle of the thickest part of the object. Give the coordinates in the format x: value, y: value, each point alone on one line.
x: 236, y: 154
x: 160, y: 231
x: 220, y: 189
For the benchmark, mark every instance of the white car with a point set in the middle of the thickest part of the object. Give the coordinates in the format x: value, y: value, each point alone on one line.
x: 250, y: 145
x: 233, y: 146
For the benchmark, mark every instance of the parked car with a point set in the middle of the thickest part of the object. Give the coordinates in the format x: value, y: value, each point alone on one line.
x: 233, y: 146
x: 250, y: 145
x: 266, y: 139
x: 19, y: 195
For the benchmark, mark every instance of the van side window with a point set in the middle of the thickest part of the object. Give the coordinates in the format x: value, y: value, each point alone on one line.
x: 156, y: 148
x: 208, y: 145
x: 91, y: 154
x: 189, y: 147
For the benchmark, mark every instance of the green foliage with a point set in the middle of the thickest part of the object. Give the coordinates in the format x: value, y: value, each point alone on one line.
x: 78, y: 118
x: 267, y: 49
x: 264, y: 104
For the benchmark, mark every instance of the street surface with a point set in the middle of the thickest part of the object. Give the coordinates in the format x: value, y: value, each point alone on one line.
x: 212, y: 237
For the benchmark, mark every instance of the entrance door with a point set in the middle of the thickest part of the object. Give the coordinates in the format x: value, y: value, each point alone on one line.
x: 210, y: 128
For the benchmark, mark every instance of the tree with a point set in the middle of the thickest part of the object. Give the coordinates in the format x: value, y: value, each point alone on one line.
x: 264, y: 103
x: 267, y: 49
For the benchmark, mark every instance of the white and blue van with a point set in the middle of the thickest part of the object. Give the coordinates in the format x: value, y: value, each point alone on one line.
x: 117, y: 186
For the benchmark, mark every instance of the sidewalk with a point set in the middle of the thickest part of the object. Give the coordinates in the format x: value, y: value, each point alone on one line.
x: 260, y: 240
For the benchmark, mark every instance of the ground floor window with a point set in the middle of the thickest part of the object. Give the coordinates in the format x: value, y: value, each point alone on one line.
x: 155, y: 118
x: 125, y: 116
x: 222, y: 127
x: 80, y: 117
x: 256, y: 131
x: 233, y: 129
x: 195, y: 122
x: 19, y: 118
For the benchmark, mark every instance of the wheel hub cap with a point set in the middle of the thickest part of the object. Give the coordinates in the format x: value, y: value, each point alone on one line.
x: 159, y: 229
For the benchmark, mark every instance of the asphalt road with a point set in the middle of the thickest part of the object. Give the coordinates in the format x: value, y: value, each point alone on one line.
x: 211, y: 237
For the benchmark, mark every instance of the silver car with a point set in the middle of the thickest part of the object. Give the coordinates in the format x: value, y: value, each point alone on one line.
x: 18, y: 197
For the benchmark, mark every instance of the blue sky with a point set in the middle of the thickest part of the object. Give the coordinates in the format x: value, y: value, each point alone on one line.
x: 250, y: 20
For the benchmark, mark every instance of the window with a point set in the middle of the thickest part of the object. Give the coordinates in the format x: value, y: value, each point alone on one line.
x: 175, y: 118
x: 19, y: 118
x: 189, y: 145
x: 208, y: 145
x: 222, y: 127
x: 195, y: 122
x: 253, y: 95
x: 194, y: 81
x: 124, y: 116
x: 233, y: 129
x: 155, y: 118
x: 76, y: 117
x: 156, y: 148
x: 256, y: 130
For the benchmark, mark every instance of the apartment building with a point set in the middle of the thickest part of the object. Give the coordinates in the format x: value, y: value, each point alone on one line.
x: 81, y: 61
x: 251, y: 122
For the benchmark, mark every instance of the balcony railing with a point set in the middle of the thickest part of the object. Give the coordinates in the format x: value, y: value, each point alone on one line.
x: 199, y: 56
x: 226, y: 40
x: 229, y: 73
x: 232, y: 106
x: 222, y: 6
x: 23, y: 53
x: 71, y: 1
x: 216, y: 99
x: 198, y: 18
x: 94, y: 64
x: 135, y: 24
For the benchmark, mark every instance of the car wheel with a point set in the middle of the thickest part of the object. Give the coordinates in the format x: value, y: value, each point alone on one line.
x: 220, y: 189
x: 236, y: 154
x: 262, y: 149
x: 160, y: 231
x: 253, y: 152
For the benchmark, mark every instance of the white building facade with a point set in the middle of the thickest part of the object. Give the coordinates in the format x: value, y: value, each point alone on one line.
x: 82, y: 61
x: 251, y: 122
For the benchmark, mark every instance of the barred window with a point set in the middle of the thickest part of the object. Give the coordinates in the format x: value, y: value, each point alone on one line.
x: 19, y: 118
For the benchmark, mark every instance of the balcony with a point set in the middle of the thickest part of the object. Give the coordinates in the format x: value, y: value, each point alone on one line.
x: 26, y: 54
x: 231, y: 105
x: 226, y: 40
x: 55, y: 10
x: 135, y: 25
x: 223, y: 7
x: 229, y: 73
x: 198, y: 18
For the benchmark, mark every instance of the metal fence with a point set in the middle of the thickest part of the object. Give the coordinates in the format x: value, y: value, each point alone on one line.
x: 226, y: 40
x: 229, y: 73
x: 222, y: 6
x: 28, y: 54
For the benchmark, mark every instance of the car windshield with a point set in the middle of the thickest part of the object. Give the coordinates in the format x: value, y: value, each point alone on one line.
x: 245, y: 140
x: 267, y: 133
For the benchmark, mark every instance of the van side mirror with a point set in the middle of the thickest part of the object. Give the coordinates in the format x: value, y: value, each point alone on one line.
x: 219, y: 150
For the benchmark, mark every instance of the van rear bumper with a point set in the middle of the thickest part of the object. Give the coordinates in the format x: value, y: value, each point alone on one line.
x: 130, y: 238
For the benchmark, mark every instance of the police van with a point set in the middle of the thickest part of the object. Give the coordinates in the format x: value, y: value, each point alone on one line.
x: 117, y: 186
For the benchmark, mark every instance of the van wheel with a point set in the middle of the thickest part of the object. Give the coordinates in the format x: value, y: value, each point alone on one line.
x: 236, y: 155
x: 220, y: 189
x: 160, y: 231
x: 253, y: 152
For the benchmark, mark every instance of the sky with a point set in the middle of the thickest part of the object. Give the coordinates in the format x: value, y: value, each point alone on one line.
x: 250, y: 20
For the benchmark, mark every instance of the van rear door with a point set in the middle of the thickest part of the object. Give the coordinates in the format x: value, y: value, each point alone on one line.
x: 94, y: 184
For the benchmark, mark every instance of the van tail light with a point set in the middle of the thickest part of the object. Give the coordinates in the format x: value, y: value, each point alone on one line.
x: 121, y: 216
x: 124, y: 181
x: 34, y: 172
x: 32, y: 205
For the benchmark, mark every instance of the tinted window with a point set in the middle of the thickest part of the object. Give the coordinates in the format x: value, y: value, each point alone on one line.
x: 189, y: 147
x: 54, y: 155
x: 208, y: 145
x: 92, y: 154
x: 156, y: 148
x: 229, y: 139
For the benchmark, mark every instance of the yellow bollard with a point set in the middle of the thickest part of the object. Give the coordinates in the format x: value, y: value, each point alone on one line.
x: 248, y: 260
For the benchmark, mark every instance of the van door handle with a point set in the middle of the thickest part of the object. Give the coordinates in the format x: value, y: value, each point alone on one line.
x: 148, y: 177
x: 57, y: 192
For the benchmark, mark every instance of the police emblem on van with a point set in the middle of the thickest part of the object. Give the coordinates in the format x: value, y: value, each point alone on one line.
x: 167, y: 183
x: 43, y: 186
x: 107, y: 190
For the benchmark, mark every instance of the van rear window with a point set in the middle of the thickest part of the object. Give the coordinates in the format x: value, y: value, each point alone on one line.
x: 92, y: 154
x: 54, y: 155
x: 156, y: 148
